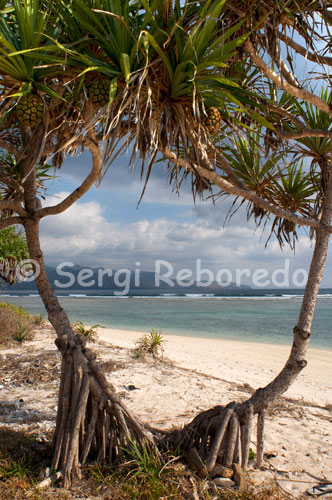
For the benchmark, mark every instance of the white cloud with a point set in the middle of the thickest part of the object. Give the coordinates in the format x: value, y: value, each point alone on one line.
x: 83, y: 235
x: 119, y: 179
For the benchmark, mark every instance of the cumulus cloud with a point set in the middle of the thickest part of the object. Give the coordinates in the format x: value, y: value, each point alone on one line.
x: 100, y: 233
x: 84, y: 235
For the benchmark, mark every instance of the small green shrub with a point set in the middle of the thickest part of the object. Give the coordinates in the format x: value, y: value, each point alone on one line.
x: 12, y: 469
x: 151, y: 343
x: 146, y: 475
x: 143, y: 460
x: 38, y: 319
x: 89, y: 333
x: 23, y: 331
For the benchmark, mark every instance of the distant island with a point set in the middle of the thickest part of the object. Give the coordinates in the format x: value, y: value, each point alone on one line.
x: 96, y: 281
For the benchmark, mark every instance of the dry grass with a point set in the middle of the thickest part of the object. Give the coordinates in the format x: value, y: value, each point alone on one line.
x: 27, y: 369
x: 16, y: 325
x: 109, y: 366
x: 24, y: 457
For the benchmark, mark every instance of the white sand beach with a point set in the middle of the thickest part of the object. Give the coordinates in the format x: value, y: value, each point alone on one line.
x: 193, y: 375
x: 241, y: 362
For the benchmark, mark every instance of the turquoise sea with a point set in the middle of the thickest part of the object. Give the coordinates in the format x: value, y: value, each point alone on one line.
x: 266, y: 319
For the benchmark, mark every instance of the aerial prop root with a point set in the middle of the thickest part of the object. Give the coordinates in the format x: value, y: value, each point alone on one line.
x: 92, y: 420
x: 221, y: 436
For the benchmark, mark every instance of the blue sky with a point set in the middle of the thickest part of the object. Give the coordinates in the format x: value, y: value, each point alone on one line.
x: 106, y: 229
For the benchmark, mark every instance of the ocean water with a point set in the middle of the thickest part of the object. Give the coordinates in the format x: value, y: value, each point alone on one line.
x: 265, y: 319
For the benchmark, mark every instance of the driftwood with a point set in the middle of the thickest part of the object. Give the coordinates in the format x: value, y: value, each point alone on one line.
x: 49, y: 480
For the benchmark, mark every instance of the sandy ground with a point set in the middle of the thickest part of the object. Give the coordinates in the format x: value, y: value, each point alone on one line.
x: 193, y: 375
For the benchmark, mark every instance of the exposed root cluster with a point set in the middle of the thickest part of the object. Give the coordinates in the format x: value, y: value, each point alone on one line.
x: 92, y: 422
x: 222, y: 435
x: 91, y: 419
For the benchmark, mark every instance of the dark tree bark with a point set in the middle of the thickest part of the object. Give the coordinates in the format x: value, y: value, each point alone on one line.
x: 90, y: 418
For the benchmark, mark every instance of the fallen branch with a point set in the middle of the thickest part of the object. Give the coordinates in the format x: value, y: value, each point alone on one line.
x: 49, y: 480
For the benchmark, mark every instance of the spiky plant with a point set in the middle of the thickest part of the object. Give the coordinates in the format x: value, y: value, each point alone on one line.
x: 153, y: 343
x: 170, y: 60
x: 88, y: 332
x: 274, y: 178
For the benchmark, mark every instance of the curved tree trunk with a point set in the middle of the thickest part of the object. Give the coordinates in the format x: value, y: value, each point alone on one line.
x: 91, y: 420
x: 214, y: 433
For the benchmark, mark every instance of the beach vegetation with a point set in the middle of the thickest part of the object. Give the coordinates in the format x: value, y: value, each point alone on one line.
x: 143, y: 460
x: 17, y: 310
x: 13, y: 250
x: 148, y: 475
x: 202, y: 85
x: 38, y: 319
x: 23, y: 332
x: 151, y: 343
x: 22, y: 457
x: 89, y: 333
x: 15, y: 324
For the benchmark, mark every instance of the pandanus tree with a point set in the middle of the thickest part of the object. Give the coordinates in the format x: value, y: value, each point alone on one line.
x: 192, y: 83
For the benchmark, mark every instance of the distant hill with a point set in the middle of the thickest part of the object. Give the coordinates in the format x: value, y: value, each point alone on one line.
x: 100, y: 283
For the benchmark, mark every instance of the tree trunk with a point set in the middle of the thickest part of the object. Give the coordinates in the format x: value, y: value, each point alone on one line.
x: 212, y: 432
x: 91, y: 419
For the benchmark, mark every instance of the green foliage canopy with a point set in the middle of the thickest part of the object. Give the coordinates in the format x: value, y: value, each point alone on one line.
x: 163, y: 65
